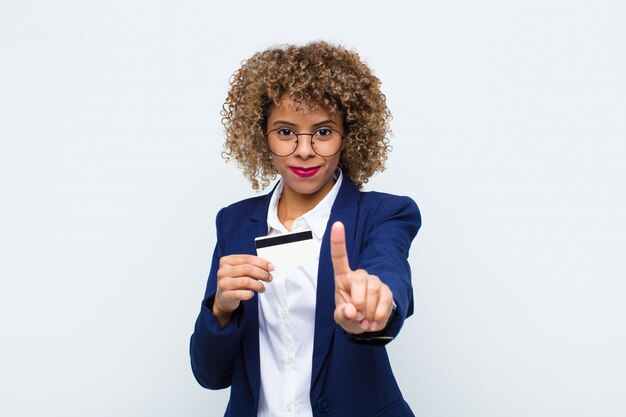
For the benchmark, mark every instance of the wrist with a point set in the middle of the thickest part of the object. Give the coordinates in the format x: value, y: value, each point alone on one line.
x: 222, y: 317
x: 377, y: 335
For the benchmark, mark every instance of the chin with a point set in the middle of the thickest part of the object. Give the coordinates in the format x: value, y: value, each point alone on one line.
x: 305, y: 189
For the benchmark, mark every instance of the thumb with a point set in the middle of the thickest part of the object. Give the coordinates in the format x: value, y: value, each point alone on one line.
x: 339, y: 253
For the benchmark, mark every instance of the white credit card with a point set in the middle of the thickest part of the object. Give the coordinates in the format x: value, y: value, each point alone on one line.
x: 288, y: 250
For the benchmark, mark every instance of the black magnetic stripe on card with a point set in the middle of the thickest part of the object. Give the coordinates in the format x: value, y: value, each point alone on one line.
x: 282, y: 239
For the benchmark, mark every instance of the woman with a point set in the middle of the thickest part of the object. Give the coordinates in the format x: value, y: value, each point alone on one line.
x: 307, y: 339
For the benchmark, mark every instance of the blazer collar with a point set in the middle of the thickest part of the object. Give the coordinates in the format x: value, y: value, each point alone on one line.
x: 348, y: 196
x: 257, y: 227
x: 259, y: 215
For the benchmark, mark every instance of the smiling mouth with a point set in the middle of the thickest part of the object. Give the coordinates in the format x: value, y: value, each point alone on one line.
x: 305, y: 171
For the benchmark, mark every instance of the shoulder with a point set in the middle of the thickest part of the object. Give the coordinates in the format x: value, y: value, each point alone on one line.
x: 350, y: 195
x: 384, y: 204
x: 388, y: 214
x: 231, y: 216
x: 249, y: 205
x: 371, y: 208
x: 377, y: 197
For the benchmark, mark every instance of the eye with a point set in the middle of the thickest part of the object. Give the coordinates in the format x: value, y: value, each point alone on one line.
x: 323, y: 132
x: 283, y: 131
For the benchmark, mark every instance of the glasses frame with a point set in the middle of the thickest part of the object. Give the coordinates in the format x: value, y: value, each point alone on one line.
x: 267, y: 140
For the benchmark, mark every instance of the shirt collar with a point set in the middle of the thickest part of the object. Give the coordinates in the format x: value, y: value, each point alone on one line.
x: 315, y: 219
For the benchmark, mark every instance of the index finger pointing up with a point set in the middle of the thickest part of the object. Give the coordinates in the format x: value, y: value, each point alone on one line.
x: 338, y: 251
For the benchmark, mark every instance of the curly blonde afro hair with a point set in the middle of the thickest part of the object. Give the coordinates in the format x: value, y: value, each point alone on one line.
x: 318, y: 74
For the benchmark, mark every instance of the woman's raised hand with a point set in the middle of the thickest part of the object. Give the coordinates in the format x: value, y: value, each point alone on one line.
x: 363, y: 303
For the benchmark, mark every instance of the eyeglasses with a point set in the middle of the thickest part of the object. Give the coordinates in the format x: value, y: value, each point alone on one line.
x: 283, y: 141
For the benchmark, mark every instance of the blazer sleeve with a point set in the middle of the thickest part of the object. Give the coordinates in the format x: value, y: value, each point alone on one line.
x: 384, y: 253
x: 213, y: 349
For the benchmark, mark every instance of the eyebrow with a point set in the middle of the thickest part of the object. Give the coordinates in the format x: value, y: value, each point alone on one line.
x: 285, y: 122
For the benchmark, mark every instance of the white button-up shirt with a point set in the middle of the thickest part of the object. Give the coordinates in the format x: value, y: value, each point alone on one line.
x: 287, y: 318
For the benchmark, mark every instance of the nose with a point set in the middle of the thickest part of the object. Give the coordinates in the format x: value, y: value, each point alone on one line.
x: 304, y: 148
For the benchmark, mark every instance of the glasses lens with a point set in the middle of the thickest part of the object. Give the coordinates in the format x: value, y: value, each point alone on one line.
x: 326, y: 142
x: 282, y: 142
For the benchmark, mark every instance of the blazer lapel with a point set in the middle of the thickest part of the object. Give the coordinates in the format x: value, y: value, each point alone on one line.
x: 256, y: 227
x: 344, y: 210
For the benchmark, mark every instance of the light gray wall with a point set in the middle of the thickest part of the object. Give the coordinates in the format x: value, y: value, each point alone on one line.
x: 510, y: 134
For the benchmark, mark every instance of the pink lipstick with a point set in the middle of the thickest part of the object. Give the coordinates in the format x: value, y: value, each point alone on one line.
x: 304, y: 171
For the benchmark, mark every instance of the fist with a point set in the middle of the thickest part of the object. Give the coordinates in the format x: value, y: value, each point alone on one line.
x: 238, y: 278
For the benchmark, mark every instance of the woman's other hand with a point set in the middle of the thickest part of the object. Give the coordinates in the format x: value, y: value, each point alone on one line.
x: 238, y: 278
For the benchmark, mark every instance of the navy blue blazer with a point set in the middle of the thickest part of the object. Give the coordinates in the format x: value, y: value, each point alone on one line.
x: 349, y: 377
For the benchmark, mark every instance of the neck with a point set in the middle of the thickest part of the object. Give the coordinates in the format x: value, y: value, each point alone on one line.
x: 293, y: 204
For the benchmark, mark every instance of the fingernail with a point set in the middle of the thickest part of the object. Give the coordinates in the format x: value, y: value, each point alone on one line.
x: 270, y: 267
x: 365, y: 324
x: 359, y: 316
x: 271, y: 277
x: 375, y: 325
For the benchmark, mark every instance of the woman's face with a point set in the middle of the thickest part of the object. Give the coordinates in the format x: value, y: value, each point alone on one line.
x: 304, y: 172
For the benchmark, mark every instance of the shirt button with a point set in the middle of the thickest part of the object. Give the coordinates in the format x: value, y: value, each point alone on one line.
x: 284, y: 315
x: 290, y: 361
x: 288, y: 407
